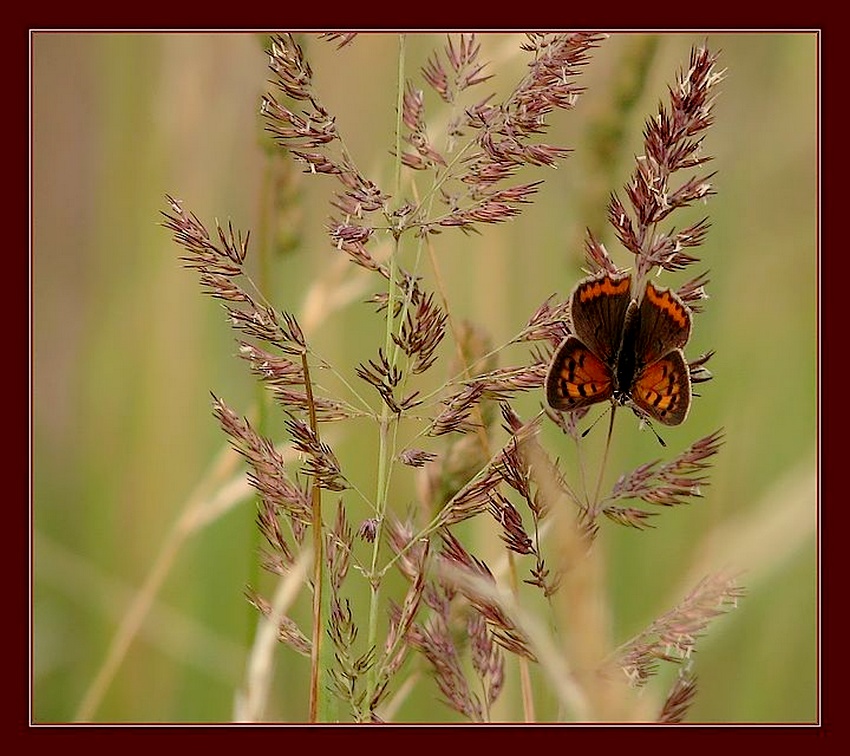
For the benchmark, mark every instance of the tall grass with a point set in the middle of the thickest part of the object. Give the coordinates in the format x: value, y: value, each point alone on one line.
x: 456, y: 179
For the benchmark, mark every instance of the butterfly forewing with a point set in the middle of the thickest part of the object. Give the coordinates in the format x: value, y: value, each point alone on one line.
x: 597, y: 309
x: 665, y: 325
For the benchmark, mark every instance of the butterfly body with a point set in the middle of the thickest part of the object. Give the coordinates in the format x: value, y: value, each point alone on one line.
x: 625, y: 350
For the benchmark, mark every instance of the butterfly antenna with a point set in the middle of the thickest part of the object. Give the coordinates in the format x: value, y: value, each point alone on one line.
x: 590, y: 427
x: 654, y: 432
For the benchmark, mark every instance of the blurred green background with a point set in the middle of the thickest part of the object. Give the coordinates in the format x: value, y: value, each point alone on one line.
x: 126, y: 351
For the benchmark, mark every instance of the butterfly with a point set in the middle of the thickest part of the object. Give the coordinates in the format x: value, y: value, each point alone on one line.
x: 625, y: 350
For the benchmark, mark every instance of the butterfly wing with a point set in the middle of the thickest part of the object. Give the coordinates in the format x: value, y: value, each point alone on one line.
x: 661, y: 386
x: 577, y: 377
x: 598, y: 307
x: 662, y: 389
x: 665, y: 325
x: 582, y: 369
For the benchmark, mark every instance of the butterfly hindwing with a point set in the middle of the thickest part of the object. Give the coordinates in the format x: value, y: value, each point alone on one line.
x: 577, y: 377
x: 662, y: 389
